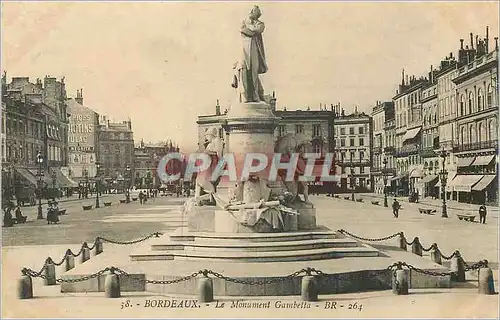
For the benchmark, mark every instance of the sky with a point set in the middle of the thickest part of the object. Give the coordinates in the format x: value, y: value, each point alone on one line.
x: 163, y: 64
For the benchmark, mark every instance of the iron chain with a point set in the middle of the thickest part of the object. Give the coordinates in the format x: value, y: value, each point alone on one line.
x: 369, y: 239
x: 156, y: 234
x: 186, y: 278
x: 446, y: 257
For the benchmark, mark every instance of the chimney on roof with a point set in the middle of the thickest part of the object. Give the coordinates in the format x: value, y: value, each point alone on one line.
x: 79, y: 96
x: 471, y: 41
x: 496, y: 43
x: 217, y: 108
x: 487, y: 40
x: 431, y: 75
x: 461, y: 44
x: 403, y: 77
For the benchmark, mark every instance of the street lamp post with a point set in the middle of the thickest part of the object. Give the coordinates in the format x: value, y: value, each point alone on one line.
x: 352, y: 184
x: 127, y: 192
x: 54, y: 178
x: 444, y: 175
x: 97, y: 184
x: 86, y: 187
x: 39, y: 160
x: 385, y: 182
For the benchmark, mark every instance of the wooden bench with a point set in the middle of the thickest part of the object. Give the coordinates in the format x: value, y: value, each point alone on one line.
x: 375, y: 203
x: 466, y: 217
x: 337, y: 196
x: 87, y: 207
x: 134, y: 199
x: 426, y: 211
x: 62, y: 212
x: 347, y: 198
x: 359, y: 200
x: 123, y: 200
x: 107, y: 204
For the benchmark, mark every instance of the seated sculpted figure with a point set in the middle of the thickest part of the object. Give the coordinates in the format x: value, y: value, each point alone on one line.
x: 214, y: 149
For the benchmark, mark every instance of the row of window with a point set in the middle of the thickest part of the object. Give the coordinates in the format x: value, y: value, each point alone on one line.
x: 354, y: 170
x: 299, y: 129
x: 470, y: 103
x: 341, y: 156
x: 472, y: 134
x: 361, y: 142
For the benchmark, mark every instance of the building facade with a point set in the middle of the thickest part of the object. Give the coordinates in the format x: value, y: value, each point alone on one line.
x: 382, y: 111
x: 116, y: 151
x: 477, y: 123
x: 147, y: 157
x: 83, y: 139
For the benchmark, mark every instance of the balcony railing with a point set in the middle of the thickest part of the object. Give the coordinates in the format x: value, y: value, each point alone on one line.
x: 377, y: 150
x: 407, y: 150
x: 389, y: 149
x: 428, y: 152
x: 476, y: 146
x: 353, y: 162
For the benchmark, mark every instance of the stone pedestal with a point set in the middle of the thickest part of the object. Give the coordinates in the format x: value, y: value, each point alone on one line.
x: 201, y: 218
x: 307, y: 216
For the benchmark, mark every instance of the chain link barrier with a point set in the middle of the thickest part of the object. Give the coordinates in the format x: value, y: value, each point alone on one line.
x: 368, y: 239
x: 156, y: 234
x: 433, y: 246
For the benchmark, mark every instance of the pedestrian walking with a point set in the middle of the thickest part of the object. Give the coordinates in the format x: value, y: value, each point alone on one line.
x: 482, y: 214
x: 395, y: 208
x: 141, y: 197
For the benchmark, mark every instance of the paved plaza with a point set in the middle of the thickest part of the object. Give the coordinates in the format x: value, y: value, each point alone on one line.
x: 28, y: 245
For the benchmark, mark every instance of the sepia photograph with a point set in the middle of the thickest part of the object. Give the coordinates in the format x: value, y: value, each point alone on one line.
x: 236, y: 159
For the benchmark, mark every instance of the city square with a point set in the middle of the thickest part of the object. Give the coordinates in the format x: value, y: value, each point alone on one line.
x: 246, y: 198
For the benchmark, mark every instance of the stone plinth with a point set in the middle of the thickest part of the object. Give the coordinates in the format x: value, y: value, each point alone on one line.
x: 201, y: 218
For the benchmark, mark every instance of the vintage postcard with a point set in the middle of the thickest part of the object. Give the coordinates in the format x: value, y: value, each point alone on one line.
x: 249, y: 159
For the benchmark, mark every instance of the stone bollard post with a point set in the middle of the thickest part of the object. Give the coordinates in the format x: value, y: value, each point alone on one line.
x: 70, y: 260
x: 309, y: 290
x: 112, y: 285
x: 400, y: 281
x: 486, y: 284
x: 85, y: 252
x: 98, y: 246
x: 416, y: 247
x: 402, y: 241
x: 457, y: 268
x: 435, y: 254
x: 25, y: 287
x: 50, y: 272
x: 205, y: 288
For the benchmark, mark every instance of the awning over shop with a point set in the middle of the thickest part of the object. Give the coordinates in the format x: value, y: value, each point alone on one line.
x: 464, y: 183
x: 412, y: 133
x: 484, y: 183
x: 465, y: 162
x: 64, y: 181
x: 26, y: 174
x: 416, y: 173
x: 399, y: 177
x: 451, y: 176
x: 380, y: 183
x: 430, y: 178
x: 483, y: 160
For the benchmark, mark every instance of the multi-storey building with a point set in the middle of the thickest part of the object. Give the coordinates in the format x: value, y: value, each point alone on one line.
x: 477, y: 123
x: 83, y: 139
x: 116, y: 151
x: 146, y: 159
x: 408, y: 115
x: 430, y: 138
x: 353, y: 146
x: 35, y: 120
x: 382, y: 111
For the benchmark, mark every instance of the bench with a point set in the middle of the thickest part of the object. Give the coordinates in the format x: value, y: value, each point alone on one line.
x: 347, y: 198
x: 375, y: 203
x: 62, y: 212
x: 107, y: 204
x: 337, y: 196
x: 87, y: 207
x: 134, y: 199
x: 426, y: 211
x: 123, y: 200
x: 359, y: 200
x: 466, y: 217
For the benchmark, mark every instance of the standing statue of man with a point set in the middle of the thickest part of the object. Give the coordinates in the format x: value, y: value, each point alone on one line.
x: 253, y: 60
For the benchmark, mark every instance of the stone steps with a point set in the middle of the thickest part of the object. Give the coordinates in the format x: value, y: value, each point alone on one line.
x: 255, y: 246
x: 255, y: 256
